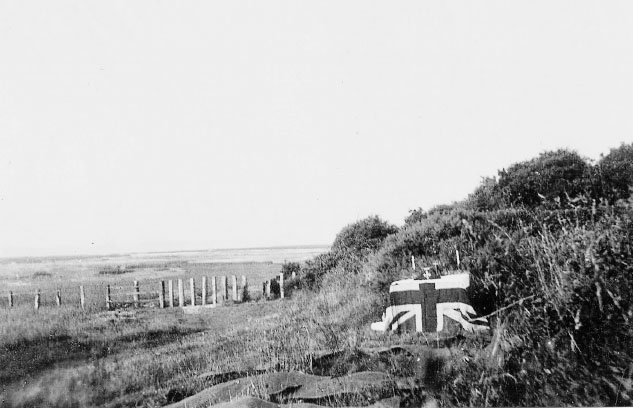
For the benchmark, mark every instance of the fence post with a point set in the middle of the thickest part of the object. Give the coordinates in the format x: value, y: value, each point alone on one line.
x: 192, y: 284
x: 10, y: 299
x: 161, y: 295
x: 214, y: 293
x: 37, y: 299
x: 181, y: 294
x: 244, y: 290
x: 82, y: 297
x: 267, y: 289
x: 108, y: 298
x: 136, y: 292
x: 171, y: 293
x: 225, y: 290
x: 204, y: 290
x: 58, y: 297
x: 264, y: 289
x: 234, y: 287
x: 281, y: 285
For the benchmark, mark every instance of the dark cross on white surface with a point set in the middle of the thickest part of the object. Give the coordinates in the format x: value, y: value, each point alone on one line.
x: 428, y: 296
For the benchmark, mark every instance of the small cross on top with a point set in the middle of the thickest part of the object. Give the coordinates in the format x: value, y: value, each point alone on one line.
x: 427, y: 273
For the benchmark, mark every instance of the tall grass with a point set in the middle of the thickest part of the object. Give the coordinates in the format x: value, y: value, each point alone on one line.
x: 562, y: 325
x: 555, y: 281
x: 122, y: 358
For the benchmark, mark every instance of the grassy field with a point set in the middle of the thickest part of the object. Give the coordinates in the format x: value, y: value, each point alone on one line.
x: 66, y: 356
x: 152, y: 357
x: 23, y: 280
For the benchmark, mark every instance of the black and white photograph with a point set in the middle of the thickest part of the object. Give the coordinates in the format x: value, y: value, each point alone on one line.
x: 310, y: 204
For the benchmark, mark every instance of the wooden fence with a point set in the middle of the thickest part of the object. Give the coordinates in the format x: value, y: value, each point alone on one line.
x: 164, y: 294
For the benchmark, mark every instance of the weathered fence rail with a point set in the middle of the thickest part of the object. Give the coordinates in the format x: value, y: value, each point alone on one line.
x: 159, y: 294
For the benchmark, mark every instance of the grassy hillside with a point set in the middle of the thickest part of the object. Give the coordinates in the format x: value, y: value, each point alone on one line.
x: 549, y: 244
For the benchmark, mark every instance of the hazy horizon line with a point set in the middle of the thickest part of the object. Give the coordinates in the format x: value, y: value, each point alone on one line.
x: 20, y: 257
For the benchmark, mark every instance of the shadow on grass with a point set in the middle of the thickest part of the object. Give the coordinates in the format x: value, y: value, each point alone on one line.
x: 27, y: 358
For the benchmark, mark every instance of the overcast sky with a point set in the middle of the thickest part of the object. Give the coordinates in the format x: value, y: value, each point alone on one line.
x: 164, y: 125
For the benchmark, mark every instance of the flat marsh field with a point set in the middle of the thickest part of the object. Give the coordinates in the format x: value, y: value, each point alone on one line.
x: 146, y: 356
x: 23, y: 277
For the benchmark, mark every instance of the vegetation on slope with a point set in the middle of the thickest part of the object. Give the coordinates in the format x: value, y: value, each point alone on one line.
x: 549, y: 244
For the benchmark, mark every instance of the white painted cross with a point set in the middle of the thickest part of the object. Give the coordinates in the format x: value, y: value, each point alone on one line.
x: 427, y: 273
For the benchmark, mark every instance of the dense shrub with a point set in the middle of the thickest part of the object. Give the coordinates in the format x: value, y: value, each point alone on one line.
x: 419, y: 214
x: 615, y: 173
x: 563, y: 332
x: 487, y: 196
x: 552, y: 175
x: 558, y: 284
x: 275, y: 288
x: 288, y: 268
x: 415, y: 216
x: 349, y: 251
x: 428, y: 239
x: 312, y: 271
x: 292, y: 276
x: 362, y: 237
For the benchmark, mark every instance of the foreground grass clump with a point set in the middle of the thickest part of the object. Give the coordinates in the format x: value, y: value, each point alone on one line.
x: 562, y: 326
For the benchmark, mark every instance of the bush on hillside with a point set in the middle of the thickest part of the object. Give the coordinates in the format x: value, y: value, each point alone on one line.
x: 313, y: 270
x: 415, y: 216
x: 429, y: 239
x: 487, y: 196
x: 349, y: 251
x: 552, y: 176
x: 419, y: 215
x: 484, y: 240
x: 362, y: 237
x: 615, y: 173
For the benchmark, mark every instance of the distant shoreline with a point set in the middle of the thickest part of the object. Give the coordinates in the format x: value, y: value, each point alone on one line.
x: 40, y: 258
x: 232, y: 249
